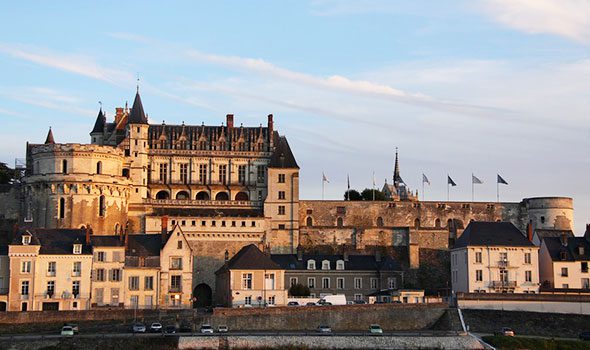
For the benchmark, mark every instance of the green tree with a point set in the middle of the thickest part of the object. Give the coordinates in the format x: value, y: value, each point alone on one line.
x: 352, y: 195
x: 299, y: 290
x: 367, y: 195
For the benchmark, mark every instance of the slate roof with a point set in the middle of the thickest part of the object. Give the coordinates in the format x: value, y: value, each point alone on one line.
x: 545, y: 233
x: 250, y: 258
x: 483, y: 233
x: 100, y: 123
x: 49, y: 139
x: 55, y: 241
x: 144, y: 245
x: 282, y: 157
x: 206, y: 212
x: 3, y: 250
x: 137, y: 115
x: 107, y: 241
x: 555, y: 248
x: 355, y: 262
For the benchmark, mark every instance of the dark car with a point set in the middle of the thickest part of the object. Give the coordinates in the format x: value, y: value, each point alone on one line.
x: 505, y: 331
x: 170, y: 330
x: 292, y: 303
x: 585, y: 335
x: 360, y: 302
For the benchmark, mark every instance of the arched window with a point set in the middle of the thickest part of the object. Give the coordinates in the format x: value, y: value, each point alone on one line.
x: 64, y: 166
x: 163, y: 195
x: 221, y: 196
x: 417, y: 223
x: 101, y: 206
x: 117, y: 228
x: 339, y: 222
x: 379, y: 222
x: 242, y: 196
x: 202, y: 196
x: 99, y: 167
x: 437, y: 223
x: 309, y: 221
x: 62, y: 207
x: 182, y: 195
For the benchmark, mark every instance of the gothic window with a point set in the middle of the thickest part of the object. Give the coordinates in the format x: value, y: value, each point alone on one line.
x: 380, y: 222
x: 99, y: 167
x: 101, y: 206
x: 64, y: 166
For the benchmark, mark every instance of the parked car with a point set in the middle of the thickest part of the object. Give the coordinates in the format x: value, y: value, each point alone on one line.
x: 324, y: 329
x: 206, y: 329
x: 222, y: 329
x: 293, y: 303
x: 585, y: 335
x: 336, y: 299
x: 375, y: 329
x: 156, y: 327
x: 359, y: 302
x: 170, y: 330
x: 185, y: 327
x: 310, y: 303
x: 505, y: 331
x: 138, y: 328
x: 74, y: 327
x: 67, y: 331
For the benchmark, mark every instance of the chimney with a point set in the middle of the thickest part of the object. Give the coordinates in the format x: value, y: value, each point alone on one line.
x: 529, y: 230
x: 118, y: 115
x: 229, y: 121
x: 87, y: 234
x: 564, y: 239
x: 270, y: 129
x: 299, y: 253
x: 164, y: 228
x: 346, y: 255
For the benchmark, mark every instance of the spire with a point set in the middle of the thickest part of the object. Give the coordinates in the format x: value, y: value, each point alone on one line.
x: 49, y: 140
x: 137, y: 115
x: 100, y: 123
x: 397, y: 179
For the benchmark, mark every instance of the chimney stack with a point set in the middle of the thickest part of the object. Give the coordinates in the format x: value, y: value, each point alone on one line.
x: 229, y: 121
x: 299, y: 253
x: 270, y: 129
x: 118, y: 115
x: 87, y: 234
x: 164, y: 228
x: 378, y: 256
x: 564, y: 239
x: 529, y: 230
x: 346, y: 255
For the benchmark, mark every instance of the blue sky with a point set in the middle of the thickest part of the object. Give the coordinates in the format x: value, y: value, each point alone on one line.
x: 461, y: 87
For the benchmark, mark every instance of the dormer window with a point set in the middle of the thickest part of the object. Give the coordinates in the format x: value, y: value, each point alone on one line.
x: 581, y: 250
x: 26, y: 239
x: 77, y: 248
x: 325, y: 265
x: 311, y: 264
x: 340, y: 265
x: 563, y: 255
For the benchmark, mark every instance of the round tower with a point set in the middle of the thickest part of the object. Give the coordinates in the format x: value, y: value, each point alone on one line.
x: 551, y: 212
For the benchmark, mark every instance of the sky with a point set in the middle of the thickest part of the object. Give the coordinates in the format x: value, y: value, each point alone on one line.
x: 479, y: 87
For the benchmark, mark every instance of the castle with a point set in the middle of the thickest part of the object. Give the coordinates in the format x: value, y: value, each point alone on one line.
x: 229, y: 186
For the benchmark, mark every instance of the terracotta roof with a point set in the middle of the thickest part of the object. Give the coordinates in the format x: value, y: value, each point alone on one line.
x: 482, y: 233
x: 250, y: 258
x: 282, y: 157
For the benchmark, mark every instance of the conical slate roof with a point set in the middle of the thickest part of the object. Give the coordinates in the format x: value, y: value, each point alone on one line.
x: 49, y: 139
x: 100, y: 123
x: 137, y: 115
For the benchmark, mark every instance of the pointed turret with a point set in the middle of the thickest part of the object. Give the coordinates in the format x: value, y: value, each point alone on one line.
x: 137, y: 115
x: 100, y: 123
x: 49, y: 140
x: 397, y: 179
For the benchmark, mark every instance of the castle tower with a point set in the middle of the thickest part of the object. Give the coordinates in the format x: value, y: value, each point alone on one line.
x: 97, y: 133
x: 137, y: 131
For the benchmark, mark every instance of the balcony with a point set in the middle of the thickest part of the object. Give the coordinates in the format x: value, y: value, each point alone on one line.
x: 175, y: 289
x: 503, y: 284
x: 504, y: 264
x: 201, y: 203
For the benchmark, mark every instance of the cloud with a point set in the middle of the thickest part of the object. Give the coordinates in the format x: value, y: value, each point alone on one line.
x: 566, y: 18
x: 77, y: 64
x: 46, y: 98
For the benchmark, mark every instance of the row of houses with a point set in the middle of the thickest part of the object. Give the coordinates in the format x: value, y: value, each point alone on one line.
x: 496, y: 257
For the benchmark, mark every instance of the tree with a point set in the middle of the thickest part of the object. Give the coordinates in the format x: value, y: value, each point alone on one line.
x: 299, y: 290
x: 352, y: 195
x: 367, y: 195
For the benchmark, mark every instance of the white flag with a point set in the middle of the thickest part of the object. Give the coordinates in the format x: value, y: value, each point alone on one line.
x: 324, y: 178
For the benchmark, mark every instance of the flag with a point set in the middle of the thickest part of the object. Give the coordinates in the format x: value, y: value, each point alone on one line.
x: 324, y: 178
x: 501, y: 180
x: 475, y: 180
x: 425, y: 179
x: 450, y: 181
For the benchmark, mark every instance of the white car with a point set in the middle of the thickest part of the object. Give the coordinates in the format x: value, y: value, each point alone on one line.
x: 156, y: 327
x: 324, y: 329
x: 138, y: 328
x: 67, y: 331
x: 222, y: 329
x: 206, y: 329
x: 375, y: 329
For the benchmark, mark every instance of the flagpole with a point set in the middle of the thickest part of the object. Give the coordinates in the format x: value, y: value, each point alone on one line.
x: 323, y: 186
x: 497, y: 190
x: 423, y: 188
x: 472, y: 189
x: 448, y: 186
